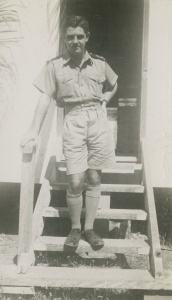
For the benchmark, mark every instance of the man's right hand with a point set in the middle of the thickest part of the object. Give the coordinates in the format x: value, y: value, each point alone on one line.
x: 31, y: 135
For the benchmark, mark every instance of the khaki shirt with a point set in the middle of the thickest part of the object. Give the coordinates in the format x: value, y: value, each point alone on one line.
x: 68, y: 83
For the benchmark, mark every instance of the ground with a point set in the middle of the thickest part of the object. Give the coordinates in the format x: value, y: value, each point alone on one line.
x: 8, y: 252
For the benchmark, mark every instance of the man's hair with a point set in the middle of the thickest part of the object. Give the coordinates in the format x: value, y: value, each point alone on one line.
x: 76, y: 21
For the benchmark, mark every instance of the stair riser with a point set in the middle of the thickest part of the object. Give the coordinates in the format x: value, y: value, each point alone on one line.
x: 134, y: 178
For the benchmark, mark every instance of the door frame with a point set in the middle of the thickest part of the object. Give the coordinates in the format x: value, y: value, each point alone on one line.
x: 144, y: 69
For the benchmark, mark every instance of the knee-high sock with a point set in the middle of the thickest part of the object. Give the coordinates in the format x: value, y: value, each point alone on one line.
x: 74, y: 203
x: 91, y: 205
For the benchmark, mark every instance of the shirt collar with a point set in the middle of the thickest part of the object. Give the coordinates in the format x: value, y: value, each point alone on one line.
x: 67, y: 58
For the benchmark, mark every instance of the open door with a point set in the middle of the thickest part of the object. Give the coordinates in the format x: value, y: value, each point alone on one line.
x: 116, y: 28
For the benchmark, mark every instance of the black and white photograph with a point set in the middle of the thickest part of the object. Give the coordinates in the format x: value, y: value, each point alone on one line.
x: 86, y: 149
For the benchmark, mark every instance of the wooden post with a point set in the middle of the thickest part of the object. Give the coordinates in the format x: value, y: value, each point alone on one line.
x: 152, y: 226
x: 144, y: 68
x: 26, y: 200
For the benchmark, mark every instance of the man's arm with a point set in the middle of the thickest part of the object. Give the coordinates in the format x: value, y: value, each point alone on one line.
x: 108, y: 94
x: 39, y: 116
x: 111, y: 85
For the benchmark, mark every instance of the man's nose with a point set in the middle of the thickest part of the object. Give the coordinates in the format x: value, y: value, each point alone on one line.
x: 75, y: 40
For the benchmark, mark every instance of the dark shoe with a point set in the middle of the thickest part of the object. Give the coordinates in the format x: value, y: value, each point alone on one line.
x: 73, y: 238
x: 93, y: 239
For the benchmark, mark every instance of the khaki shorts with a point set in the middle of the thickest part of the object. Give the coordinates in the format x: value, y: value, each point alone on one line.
x: 87, y: 142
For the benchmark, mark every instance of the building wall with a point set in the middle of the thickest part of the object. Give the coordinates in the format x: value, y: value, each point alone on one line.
x: 34, y: 48
x: 31, y: 47
x: 159, y: 93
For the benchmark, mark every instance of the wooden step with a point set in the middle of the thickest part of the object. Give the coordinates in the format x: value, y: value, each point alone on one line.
x: 121, y: 174
x: 119, y: 165
x: 118, y: 168
x: 126, y: 159
x: 119, y: 159
x: 19, y: 290
x: 126, y: 246
x: 118, y: 214
x: 64, y: 277
x: 118, y: 188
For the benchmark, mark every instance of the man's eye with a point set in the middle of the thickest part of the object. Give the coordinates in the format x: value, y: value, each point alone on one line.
x: 69, y: 38
x: 80, y: 37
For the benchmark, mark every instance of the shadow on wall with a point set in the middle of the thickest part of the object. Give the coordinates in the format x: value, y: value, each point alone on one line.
x: 9, y: 207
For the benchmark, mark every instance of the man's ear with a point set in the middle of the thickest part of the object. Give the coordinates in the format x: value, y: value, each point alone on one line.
x: 88, y: 36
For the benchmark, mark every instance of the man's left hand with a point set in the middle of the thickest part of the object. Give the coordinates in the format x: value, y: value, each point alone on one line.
x: 104, y: 106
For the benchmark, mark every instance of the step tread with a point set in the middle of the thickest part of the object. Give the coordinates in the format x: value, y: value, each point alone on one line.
x: 123, y: 159
x: 78, y: 277
x: 125, y: 188
x: 120, y: 168
x: 126, y: 158
x: 119, y: 214
x: 130, y: 246
x: 24, y: 290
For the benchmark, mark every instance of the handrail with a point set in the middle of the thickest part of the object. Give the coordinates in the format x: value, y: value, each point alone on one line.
x: 26, y: 199
x: 30, y: 170
x: 152, y: 225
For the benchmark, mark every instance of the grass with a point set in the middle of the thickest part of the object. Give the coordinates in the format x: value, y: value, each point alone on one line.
x: 77, y: 294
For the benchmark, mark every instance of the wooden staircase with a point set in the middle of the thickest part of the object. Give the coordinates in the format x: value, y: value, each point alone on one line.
x: 128, y: 176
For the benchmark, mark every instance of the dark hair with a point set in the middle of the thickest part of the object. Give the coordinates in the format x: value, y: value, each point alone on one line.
x: 76, y: 21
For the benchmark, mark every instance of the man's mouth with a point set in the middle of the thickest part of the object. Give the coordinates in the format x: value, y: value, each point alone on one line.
x: 76, y: 47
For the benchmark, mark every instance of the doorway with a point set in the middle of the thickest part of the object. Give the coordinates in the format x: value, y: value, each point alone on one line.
x: 116, y: 28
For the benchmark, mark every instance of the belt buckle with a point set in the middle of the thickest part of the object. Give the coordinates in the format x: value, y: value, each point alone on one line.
x: 82, y: 106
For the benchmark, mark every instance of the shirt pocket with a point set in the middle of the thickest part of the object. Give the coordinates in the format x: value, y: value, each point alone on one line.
x: 65, y: 86
x: 96, y: 83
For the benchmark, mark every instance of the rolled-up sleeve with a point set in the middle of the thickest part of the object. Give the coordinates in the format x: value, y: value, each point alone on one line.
x: 45, y: 81
x: 111, y: 76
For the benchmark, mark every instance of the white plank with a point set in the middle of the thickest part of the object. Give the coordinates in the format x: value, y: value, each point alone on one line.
x: 123, y: 188
x: 119, y: 214
x: 51, y: 243
x: 152, y: 227
x: 126, y: 159
x: 78, y: 277
x: 110, y: 171
x: 26, y: 199
x: 23, y: 290
x: 118, y: 167
x: 157, y: 297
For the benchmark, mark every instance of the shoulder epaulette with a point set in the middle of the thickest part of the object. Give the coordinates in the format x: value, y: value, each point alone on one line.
x: 97, y: 56
x: 52, y: 59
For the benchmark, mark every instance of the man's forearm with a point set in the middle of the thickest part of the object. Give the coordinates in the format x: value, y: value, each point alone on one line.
x: 110, y: 92
x: 40, y: 112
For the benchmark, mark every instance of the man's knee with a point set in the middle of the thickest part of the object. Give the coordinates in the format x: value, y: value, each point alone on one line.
x: 93, y: 177
x: 76, y: 183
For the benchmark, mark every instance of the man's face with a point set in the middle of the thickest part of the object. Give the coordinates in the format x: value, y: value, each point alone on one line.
x: 76, y: 39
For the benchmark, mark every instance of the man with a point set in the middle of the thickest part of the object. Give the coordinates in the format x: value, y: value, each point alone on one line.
x: 82, y: 83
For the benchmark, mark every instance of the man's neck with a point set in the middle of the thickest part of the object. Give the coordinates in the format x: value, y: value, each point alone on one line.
x: 78, y: 59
